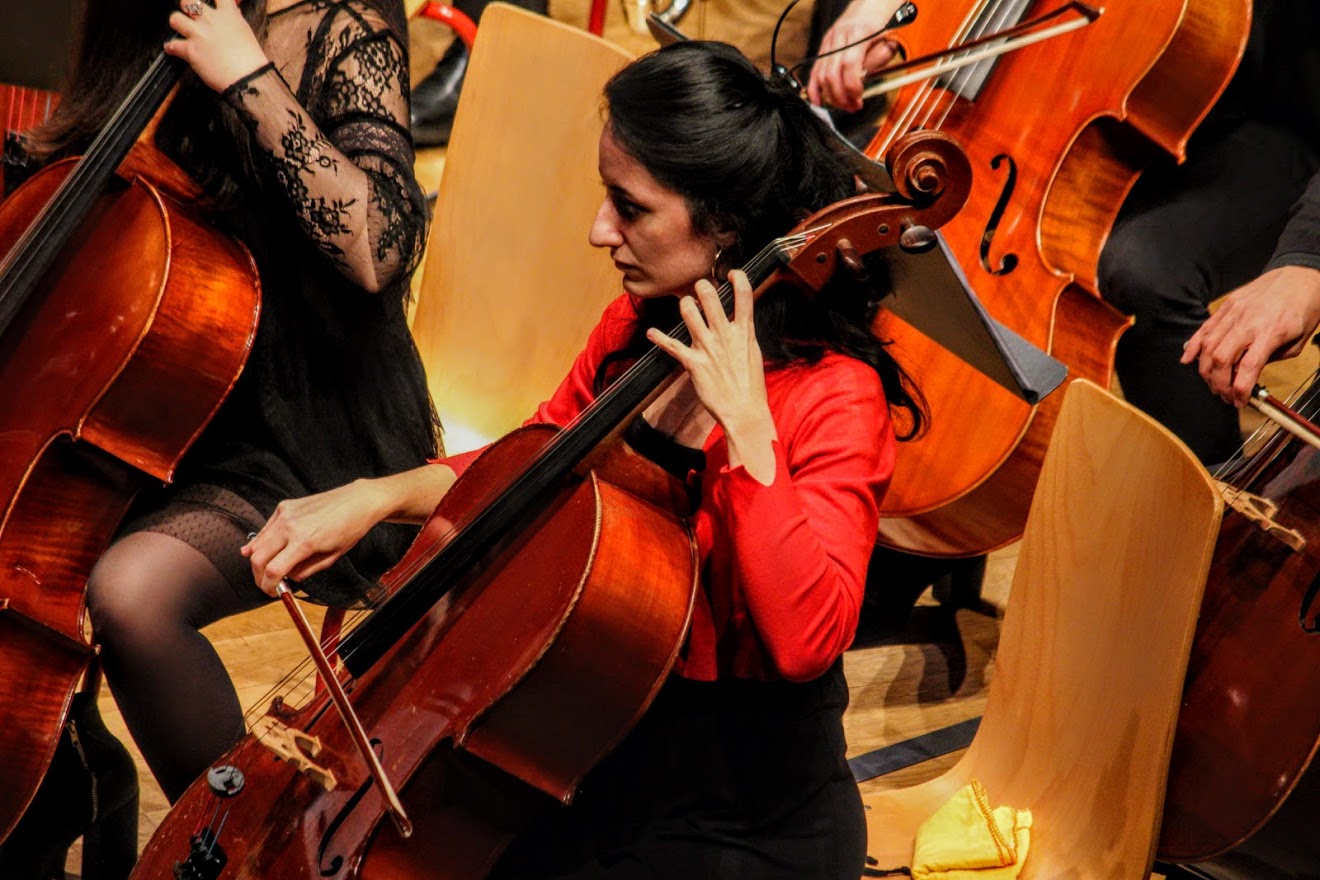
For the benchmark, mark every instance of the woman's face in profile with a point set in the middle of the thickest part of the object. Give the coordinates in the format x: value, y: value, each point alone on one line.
x: 647, y: 228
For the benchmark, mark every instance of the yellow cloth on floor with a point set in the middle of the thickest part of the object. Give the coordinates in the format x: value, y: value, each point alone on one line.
x: 967, y: 840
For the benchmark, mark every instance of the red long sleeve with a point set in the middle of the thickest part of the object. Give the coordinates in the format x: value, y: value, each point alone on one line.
x: 793, y: 555
x: 784, y: 565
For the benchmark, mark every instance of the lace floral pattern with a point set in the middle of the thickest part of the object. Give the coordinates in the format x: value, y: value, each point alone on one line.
x: 338, y: 145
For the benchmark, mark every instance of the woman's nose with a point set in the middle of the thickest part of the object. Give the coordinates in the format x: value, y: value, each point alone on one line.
x: 605, y: 228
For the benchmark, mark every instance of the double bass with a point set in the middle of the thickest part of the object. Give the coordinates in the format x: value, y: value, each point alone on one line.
x: 527, y: 629
x: 124, y: 321
x: 1057, y: 133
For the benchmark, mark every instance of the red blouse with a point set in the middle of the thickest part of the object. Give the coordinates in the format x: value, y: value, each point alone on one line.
x: 784, y: 565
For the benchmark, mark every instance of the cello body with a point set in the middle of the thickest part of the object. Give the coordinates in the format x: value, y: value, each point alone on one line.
x: 492, y: 707
x: 111, y: 369
x: 1249, y: 724
x: 1056, y: 136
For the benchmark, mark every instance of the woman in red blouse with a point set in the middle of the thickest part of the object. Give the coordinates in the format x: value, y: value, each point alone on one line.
x: 781, y: 426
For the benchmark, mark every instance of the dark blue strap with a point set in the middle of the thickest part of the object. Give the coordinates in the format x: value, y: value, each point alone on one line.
x: 914, y: 751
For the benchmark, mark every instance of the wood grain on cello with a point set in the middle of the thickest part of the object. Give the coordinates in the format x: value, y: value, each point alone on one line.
x: 119, y: 338
x: 1057, y: 133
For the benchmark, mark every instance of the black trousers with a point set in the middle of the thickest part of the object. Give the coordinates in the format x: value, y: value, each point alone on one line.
x: 1187, y: 235
x: 736, y: 779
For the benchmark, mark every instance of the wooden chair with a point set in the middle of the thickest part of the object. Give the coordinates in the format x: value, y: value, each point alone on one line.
x: 1092, y: 653
x: 511, y: 288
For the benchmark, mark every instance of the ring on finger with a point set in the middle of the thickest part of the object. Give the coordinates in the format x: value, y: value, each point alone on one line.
x: 193, y: 9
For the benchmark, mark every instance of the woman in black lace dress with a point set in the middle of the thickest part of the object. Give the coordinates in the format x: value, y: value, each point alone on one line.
x: 294, y: 118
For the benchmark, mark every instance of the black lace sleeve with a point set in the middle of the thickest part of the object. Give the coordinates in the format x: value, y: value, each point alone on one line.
x: 344, y: 160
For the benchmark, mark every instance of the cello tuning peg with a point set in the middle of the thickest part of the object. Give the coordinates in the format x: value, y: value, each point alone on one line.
x: 916, y: 239
x: 851, y: 259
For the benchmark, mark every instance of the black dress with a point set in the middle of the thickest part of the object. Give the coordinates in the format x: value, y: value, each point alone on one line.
x: 334, y: 388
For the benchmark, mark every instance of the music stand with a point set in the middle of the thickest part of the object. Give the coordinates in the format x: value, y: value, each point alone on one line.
x: 931, y: 293
x: 36, y: 42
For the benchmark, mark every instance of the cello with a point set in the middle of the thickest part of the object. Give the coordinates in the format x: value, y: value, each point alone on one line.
x: 1249, y: 726
x: 1057, y: 134
x: 478, y: 682
x: 124, y: 321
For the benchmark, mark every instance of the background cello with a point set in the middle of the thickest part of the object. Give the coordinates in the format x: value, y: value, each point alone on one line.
x: 1249, y: 725
x: 119, y: 337
x: 1057, y: 133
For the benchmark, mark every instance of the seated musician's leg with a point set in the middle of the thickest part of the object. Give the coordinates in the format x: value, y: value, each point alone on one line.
x: 149, y: 596
x: 1187, y: 235
x: 90, y: 790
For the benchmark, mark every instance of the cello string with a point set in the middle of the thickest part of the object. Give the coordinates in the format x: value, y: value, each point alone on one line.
x: 995, y: 19
x: 1265, y: 434
x: 61, y: 206
x: 65, y: 201
x: 925, y: 91
x: 949, y: 94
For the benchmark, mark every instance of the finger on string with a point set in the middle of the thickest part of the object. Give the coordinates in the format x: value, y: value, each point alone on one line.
x: 690, y: 310
x: 672, y: 347
x: 742, y: 296
x: 711, y: 307
x: 182, y: 25
x: 675, y: 349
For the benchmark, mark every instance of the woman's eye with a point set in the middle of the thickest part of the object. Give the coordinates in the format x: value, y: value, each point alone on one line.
x: 627, y: 210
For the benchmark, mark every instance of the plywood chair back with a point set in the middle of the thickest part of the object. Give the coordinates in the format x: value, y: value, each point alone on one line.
x: 1087, y: 680
x: 511, y: 287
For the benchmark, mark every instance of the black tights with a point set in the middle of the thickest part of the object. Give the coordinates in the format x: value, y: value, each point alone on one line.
x: 149, y: 596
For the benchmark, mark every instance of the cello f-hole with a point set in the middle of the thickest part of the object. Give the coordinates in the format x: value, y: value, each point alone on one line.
x: 1306, y: 617
x: 1009, y: 261
x: 336, y: 863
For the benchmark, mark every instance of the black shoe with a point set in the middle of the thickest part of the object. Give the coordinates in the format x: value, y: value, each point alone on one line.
x: 90, y: 790
x: 436, y: 98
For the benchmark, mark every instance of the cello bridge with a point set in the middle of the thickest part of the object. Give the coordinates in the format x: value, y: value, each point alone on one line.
x: 1261, y: 511
x: 294, y: 746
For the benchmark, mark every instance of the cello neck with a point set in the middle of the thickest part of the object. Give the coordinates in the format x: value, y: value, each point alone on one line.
x: 530, y: 489
x: 36, y: 251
